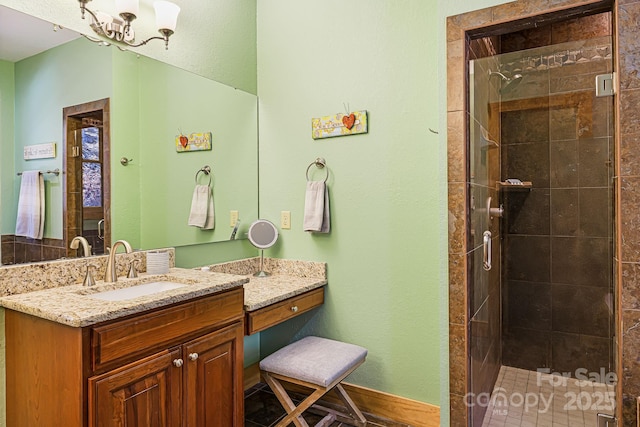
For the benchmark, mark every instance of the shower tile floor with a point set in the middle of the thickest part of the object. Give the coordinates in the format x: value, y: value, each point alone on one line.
x: 528, y: 398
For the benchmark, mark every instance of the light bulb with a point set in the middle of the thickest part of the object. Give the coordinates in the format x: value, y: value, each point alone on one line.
x: 166, y: 15
x: 127, y: 6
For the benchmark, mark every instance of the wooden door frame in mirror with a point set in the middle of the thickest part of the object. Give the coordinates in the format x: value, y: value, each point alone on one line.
x: 71, y: 205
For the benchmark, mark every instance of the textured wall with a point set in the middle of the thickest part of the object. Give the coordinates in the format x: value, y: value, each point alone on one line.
x: 7, y: 111
x: 214, y: 39
x: 151, y: 101
x: 384, y: 253
x: 172, y: 100
x: 45, y: 84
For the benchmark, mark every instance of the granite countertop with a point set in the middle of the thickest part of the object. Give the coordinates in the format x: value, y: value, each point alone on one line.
x: 263, y: 291
x: 70, y: 305
x: 288, y: 278
x: 41, y: 290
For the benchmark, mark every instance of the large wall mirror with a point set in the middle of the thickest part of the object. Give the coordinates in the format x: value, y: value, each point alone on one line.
x: 145, y: 199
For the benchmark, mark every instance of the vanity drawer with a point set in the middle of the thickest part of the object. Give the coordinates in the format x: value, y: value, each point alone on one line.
x: 266, y: 317
x: 162, y: 328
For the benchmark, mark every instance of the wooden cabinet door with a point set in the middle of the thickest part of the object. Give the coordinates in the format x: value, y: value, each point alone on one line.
x: 145, y: 393
x: 213, y: 384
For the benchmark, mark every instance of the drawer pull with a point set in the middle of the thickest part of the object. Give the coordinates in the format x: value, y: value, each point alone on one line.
x: 177, y: 363
x: 193, y: 356
x: 294, y: 308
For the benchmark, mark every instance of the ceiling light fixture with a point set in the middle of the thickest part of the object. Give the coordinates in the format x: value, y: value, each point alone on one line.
x: 118, y: 29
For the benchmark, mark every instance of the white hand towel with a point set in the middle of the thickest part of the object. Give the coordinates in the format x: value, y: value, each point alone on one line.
x: 202, y: 210
x: 317, y: 217
x: 30, y: 220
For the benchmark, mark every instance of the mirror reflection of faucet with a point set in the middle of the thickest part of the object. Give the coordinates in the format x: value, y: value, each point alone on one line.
x: 235, y: 230
x: 86, y: 247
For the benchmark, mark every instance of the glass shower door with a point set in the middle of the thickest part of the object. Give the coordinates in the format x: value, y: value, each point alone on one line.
x: 483, y: 238
x: 541, y: 143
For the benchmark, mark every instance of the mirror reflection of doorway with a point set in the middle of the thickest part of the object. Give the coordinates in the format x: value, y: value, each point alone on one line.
x: 87, y: 176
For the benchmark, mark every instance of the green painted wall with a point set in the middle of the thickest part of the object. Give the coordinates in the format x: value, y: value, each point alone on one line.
x: 44, y: 85
x: 190, y: 256
x: 7, y: 99
x: 215, y: 39
x: 172, y: 100
x: 385, y: 254
x: 387, y: 251
x: 125, y: 142
x: 150, y: 101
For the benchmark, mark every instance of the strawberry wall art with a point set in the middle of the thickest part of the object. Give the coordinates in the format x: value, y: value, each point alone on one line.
x: 193, y: 142
x: 341, y: 124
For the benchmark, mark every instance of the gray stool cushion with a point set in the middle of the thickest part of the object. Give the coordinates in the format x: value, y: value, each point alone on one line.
x: 316, y: 360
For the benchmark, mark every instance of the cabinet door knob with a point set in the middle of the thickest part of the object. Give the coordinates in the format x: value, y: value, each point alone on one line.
x: 193, y: 356
x: 294, y: 308
x: 177, y: 363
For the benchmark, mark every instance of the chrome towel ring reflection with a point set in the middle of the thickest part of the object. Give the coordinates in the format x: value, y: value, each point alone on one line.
x: 206, y: 170
x: 320, y: 163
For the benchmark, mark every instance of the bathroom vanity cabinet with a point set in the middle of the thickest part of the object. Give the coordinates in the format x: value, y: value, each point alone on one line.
x: 179, y: 365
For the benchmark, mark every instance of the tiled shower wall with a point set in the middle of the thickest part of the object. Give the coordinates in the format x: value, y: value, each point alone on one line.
x: 18, y: 250
x: 557, y: 289
x: 628, y: 208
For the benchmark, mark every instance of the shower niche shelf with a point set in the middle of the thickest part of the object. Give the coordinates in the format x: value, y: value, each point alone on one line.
x: 524, y: 185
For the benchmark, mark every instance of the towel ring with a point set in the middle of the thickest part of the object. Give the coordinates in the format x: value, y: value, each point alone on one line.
x: 207, y: 171
x: 320, y: 163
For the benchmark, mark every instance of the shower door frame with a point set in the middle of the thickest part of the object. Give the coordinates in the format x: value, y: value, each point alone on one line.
x: 496, y: 20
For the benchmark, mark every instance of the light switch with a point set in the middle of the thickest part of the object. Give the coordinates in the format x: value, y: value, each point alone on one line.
x: 285, y: 220
x: 233, y: 218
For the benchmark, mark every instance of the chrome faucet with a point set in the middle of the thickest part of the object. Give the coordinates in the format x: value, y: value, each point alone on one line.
x: 86, y: 247
x: 110, y: 274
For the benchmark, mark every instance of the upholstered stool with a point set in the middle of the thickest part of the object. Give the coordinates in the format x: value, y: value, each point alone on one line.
x: 319, y: 364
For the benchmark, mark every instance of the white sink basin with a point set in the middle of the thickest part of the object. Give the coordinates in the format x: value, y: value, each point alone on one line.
x: 136, y: 291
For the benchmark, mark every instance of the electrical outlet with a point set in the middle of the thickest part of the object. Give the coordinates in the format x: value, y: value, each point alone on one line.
x: 233, y: 218
x: 285, y: 220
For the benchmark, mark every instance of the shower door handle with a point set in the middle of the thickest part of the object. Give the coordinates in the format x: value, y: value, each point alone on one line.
x: 101, y: 229
x: 486, y: 250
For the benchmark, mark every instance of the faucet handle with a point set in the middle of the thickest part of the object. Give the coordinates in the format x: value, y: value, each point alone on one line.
x: 88, y: 278
x: 133, y: 271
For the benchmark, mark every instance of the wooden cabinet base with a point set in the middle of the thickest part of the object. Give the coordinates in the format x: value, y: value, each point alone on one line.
x: 214, y: 392
x: 54, y: 381
x: 143, y: 393
x: 35, y: 373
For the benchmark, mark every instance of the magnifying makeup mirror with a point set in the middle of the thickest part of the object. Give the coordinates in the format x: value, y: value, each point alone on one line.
x: 262, y: 234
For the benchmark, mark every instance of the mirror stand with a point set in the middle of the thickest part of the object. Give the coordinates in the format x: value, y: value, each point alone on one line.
x: 262, y: 234
x: 261, y: 273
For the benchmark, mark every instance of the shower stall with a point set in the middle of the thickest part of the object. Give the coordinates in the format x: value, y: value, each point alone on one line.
x: 540, y: 217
